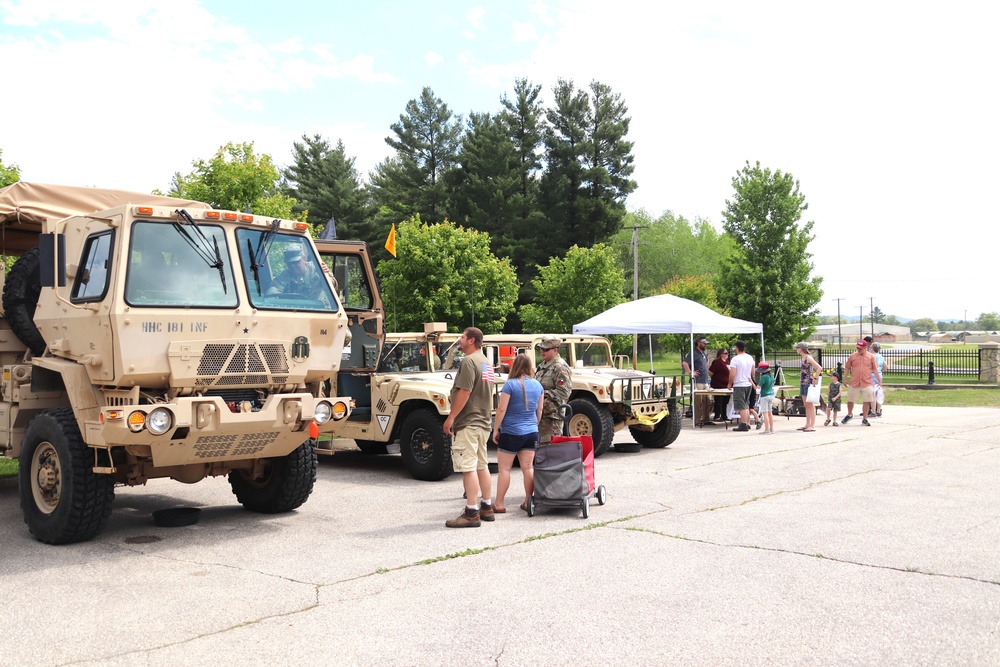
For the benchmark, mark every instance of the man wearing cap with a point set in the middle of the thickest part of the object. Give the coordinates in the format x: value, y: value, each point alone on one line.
x: 298, y: 276
x: 862, y: 368
x: 553, y: 374
x: 696, y: 365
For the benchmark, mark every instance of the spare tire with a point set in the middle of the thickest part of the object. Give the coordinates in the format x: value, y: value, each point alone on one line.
x: 20, y: 297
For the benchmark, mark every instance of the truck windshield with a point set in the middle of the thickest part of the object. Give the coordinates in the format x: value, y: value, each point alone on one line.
x: 165, y: 270
x: 281, y: 272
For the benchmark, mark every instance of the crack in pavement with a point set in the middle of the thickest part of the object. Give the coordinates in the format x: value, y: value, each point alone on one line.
x: 907, y: 570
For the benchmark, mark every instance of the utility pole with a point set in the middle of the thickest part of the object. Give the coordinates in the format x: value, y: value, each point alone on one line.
x: 840, y: 335
x: 635, y: 295
x: 965, y: 325
x: 871, y: 300
x: 861, y: 321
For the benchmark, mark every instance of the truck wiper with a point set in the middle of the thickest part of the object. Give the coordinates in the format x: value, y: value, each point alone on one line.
x: 263, y: 247
x: 200, y: 244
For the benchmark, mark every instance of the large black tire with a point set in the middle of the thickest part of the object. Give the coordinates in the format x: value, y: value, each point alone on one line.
x: 425, y: 448
x: 62, y: 498
x: 591, y: 419
x: 371, y: 448
x: 20, y: 297
x: 664, y: 433
x: 287, y: 482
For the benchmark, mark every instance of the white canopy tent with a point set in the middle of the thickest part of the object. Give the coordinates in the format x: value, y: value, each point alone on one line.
x: 666, y: 314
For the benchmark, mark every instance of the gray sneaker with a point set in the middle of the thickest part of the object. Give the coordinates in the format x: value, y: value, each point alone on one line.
x: 759, y: 425
x: 865, y: 422
x: 846, y: 419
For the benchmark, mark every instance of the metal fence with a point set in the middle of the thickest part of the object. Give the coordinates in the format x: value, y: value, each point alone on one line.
x: 908, y: 362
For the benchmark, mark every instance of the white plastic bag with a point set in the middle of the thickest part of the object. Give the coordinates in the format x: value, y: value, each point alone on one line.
x: 812, y: 396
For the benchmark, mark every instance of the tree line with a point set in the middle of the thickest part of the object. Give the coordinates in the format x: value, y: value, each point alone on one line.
x: 515, y: 218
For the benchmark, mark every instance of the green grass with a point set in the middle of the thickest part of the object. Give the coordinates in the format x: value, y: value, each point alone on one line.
x: 944, y: 398
x: 8, y: 468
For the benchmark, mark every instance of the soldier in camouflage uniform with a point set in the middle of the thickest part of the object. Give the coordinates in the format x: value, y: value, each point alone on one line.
x: 553, y: 373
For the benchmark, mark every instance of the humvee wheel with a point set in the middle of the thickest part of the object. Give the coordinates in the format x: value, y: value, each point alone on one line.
x: 20, y: 298
x: 663, y: 433
x: 591, y: 419
x: 371, y: 447
x: 62, y: 498
x: 286, y: 484
x: 426, y: 450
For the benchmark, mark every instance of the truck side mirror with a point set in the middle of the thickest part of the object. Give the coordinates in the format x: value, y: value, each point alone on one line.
x: 52, y: 260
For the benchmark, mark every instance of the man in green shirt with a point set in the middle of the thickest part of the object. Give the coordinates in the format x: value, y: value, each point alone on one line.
x: 469, y: 425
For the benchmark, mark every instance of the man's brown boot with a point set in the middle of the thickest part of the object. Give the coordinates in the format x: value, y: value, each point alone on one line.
x: 467, y: 519
x: 486, y: 512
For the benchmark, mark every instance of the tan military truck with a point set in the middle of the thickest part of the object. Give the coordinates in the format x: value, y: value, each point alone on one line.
x: 149, y: 337
x: 604, y: 398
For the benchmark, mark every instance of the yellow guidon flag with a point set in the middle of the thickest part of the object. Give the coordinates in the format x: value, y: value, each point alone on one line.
x: 390, y: 243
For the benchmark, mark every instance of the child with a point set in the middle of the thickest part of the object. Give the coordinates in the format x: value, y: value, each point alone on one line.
x: 766, y: 388
x: 833, y: 404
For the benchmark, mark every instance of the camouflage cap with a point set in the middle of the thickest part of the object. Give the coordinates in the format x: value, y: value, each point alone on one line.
x: 549, y: 342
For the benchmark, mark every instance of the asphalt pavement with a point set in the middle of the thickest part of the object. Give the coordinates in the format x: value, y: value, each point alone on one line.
x: 848, y: 546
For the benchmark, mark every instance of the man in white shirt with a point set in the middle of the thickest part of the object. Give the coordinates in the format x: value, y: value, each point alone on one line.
x: 740, y: 381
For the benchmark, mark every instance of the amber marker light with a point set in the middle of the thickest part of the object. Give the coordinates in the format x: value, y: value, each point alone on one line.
x: 246, y: 218
x: 229, y: 215
x: 137, y: 421
x: 213, y: 215
x: 144, y: 210
x: 301, y: 226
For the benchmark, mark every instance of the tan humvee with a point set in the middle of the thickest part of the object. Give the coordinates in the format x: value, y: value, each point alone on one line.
x: 605, y: 398
x: 148, y: 337
x: 406, y: 397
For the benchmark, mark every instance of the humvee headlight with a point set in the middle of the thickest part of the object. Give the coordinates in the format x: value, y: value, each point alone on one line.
x: 137, y: 421
x: 339, y: 410
x: 322, y: 412
x: 159, y: 421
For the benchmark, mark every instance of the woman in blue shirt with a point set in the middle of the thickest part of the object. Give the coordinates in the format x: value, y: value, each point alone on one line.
x: 515, y: 429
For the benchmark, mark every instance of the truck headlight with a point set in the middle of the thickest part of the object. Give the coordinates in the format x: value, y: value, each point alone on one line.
x: 159, y: 421
x: 323, y: 412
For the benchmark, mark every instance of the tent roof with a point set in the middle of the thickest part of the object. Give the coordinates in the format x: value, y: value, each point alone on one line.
x: 664, y: 313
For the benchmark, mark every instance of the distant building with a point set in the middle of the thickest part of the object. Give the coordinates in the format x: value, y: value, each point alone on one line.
x: 852, y: 332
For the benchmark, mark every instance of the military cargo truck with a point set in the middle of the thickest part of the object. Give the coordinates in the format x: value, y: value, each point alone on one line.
x: 148, y: 337
x: 606, y: 399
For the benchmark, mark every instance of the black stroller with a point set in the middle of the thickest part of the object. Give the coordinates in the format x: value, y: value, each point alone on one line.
x: 564, y: 473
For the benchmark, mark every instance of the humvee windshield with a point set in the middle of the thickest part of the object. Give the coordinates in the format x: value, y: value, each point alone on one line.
x: 165, y: 268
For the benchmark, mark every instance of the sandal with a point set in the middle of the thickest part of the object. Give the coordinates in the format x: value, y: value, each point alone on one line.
x: 524, y: 506
x: 500, y: 510
x: 808, y: 430
x: 836, y: 424
x: 826, y: 423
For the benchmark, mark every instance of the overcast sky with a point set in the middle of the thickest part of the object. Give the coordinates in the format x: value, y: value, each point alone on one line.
x: 887, y: 113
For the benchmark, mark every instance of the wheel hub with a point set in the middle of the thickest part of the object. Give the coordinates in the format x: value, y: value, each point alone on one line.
x: 46, y: 475
x: 580, y: 425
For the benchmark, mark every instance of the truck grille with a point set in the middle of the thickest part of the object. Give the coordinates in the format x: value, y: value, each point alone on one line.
x: 232, y: 446
x: 231, y: 364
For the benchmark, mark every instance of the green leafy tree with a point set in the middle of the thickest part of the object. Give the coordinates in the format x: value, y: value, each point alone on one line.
x: 670, y: 246
x: 989, y: 321
x: 445, y: 273
x: 923, y: 324
x: 891, y: 320
x: 8, y: 173
x: 768, y: 277
x: 426, y: 140
x: 693, y: 288
x: 877, y: 315
x: 570, y: 290
x: 235, y: 179
x: 323, y: 181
